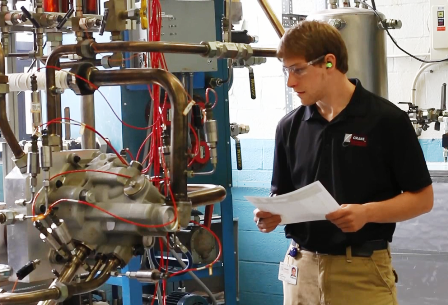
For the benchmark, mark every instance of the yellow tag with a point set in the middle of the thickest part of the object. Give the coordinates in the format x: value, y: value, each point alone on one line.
x: 210, y: 270
x: 143, y: 18
x: 189, y: 106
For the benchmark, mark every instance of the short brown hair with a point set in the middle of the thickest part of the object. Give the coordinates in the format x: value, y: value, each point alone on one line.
x: 311, y: 39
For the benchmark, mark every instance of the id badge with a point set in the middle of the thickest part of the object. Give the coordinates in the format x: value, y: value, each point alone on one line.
x: 288, y: 273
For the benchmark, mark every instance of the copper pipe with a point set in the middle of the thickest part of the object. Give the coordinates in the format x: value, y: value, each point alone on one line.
x: 29, y: 297
x: 7, y: 132
x: 121, y: 46
x: 85, y: 287
x: 278, y: 27
x: 179, y: 126
x: 205, y: 194
x: 153, y: 46
x: 69, y: 271
x: 72, y: 267
x: 95, y: 269
x: 70, y: 64
x: 166, y: 47
x: 52, y: 101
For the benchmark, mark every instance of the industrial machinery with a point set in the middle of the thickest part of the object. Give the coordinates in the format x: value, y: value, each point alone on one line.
x: 76, y: 217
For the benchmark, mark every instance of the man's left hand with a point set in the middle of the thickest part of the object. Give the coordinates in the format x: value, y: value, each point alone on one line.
x: 349, y: 218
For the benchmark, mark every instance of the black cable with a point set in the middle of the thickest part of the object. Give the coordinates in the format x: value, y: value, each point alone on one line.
x: 373, y: 5
x: 395, y: 42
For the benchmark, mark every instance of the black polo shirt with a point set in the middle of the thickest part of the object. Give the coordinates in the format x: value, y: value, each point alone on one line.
x: 368, y: 153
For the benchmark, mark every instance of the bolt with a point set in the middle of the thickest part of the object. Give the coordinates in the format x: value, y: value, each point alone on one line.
x: 132, y: 184
x: 59, y: 183
x: 55, y: 272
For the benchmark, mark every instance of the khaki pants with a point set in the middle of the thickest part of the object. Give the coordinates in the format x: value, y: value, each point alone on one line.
x: 341, y: 280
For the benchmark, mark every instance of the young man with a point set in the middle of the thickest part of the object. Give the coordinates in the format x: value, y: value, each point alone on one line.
x: 364, y: 150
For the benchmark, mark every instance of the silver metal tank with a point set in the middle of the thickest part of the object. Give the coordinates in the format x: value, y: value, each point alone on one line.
x: 366, y: 44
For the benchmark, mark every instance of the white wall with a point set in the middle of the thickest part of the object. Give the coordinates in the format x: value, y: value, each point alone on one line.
x: 263, y: 113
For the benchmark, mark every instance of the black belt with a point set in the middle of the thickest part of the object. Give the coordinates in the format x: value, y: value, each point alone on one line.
x: 364, y: 250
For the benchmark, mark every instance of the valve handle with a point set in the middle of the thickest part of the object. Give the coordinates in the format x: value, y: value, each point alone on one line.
x: 30, y: 17
x: 65, y: 18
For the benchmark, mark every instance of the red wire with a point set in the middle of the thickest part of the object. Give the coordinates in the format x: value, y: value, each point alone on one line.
x: 197, y: 145
x: 72, y: 172
x: 97, y: 88
x: 59, y: 120
x: 130, y: 154
x: 207, y: 98
x: 15, y: 285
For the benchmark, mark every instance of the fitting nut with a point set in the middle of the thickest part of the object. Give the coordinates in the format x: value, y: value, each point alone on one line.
x: 63, y: 290
x: 212, y: 48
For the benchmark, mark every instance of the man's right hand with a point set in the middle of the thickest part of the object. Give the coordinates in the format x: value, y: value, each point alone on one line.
x: 266, y: 222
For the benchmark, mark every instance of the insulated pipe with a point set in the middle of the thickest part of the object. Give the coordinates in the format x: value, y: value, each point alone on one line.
x: 179, y: 123
x: 7, y: 132
x: 88, y: 138
x: 278, y: 27
x: 22, y: 81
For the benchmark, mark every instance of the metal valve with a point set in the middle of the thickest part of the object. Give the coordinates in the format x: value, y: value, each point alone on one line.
x: 235, y: 130
x: 65, y: 18
x: 104, y: 21
x: 253, y: 94
x: 30, y: 17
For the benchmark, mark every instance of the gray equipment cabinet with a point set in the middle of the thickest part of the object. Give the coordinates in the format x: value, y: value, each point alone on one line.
x: 420, y: 249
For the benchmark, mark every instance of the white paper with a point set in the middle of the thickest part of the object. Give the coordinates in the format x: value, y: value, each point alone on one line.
x: 308, y: 203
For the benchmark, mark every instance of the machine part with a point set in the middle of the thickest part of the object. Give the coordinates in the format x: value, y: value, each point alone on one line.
x: 178, y: 101
x: 27, y: 269
x: 253, y: 93
x: 60, y: 229
x: 8, y: 134
x: 88, y: 137
x: 7, y: 217
x: 145, y: 276
x: 68, y: 132
x: 205, y: 194
x: 65, y: 18
x: 272, y: 17
x: 104, y: 21
x: 81, y: 87
x: 115, y: 22
x: 92, y: 226
x: 443, y: 98
x: 363, y: 37
x: 391, y: 24
x: 235, y: 130
x: 36, y: 104
x: 202, y: 245
x: 243, y: 37
x: 184, y: 298
x: 134, y: 47
x: 5, y: 272
x: 211, y: 134
x: 334, y: 4
x: 194, y: 276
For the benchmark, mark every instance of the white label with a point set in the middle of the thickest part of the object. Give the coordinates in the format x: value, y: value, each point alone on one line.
x: 35, y: 108
x: 288, y: 273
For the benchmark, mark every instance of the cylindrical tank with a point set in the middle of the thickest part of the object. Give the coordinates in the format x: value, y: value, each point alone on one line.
x: 90, y: 7
x: 57, y: 6
x: 366, y: 45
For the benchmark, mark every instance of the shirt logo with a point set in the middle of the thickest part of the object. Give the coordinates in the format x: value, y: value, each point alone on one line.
x: 354, y: 140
